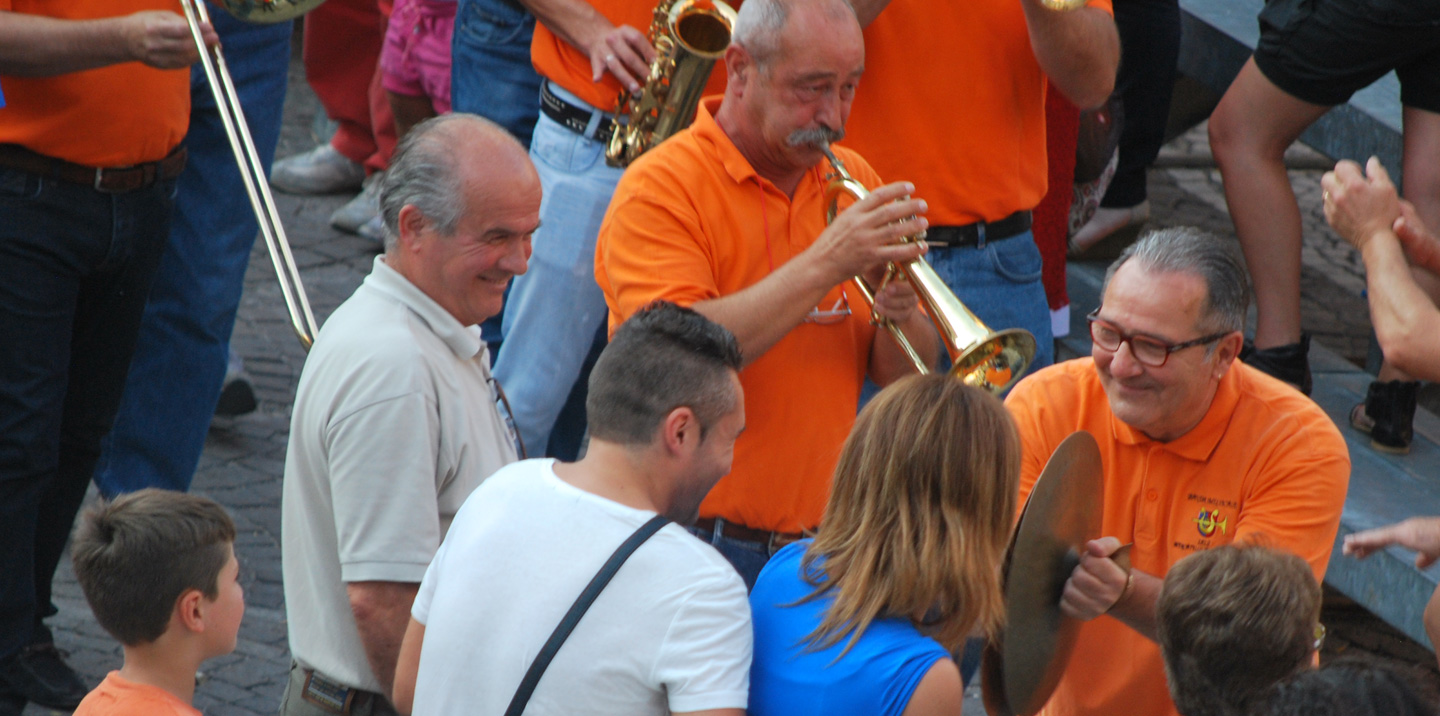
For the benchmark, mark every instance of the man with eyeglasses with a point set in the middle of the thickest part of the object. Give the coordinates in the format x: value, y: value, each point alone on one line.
x: 395, y: 420
x: 728, y: 217
x: 1199, y: 450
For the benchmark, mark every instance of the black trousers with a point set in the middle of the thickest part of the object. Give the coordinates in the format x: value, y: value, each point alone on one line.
x: 1149, y: 49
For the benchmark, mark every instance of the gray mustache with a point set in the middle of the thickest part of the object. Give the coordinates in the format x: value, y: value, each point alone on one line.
x: 819, y: 137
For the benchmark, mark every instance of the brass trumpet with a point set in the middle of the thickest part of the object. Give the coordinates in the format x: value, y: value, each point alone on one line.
x: 981, y: 358
x: 252, y: 170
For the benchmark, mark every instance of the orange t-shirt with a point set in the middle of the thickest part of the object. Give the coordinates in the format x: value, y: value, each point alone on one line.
x: 117, y: 696
x: 691, y: 221
x: 1264, y: 464
x: 106, y: 117
x: 964, y: 117
x: 559, y: 61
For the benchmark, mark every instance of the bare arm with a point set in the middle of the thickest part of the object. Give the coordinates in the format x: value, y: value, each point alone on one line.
x: 1079, y: 50
x: 862, y: 237
x: 1421, y: 534
x: 622, y: 51
x: 382, y: 612
x: 37, y: 46
x: 1364, y: 210
x: 407, y: 667
x: 1097, y: 587
x: 939, y: 693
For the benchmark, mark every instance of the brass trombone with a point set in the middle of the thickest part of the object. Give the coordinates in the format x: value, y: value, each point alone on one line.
x: 993, y: 361
x: 252, y: 171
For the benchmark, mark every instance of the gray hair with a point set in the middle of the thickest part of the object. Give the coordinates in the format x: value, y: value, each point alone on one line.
x: 1189, y: 250
x: 423, y: 173
x: 758, y: 24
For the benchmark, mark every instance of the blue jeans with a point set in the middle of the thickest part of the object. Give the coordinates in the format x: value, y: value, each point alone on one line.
x: 491, y: 75
x: 1000, y: 283
x: 75, y: 265
x: 555, y: 307
x: 747, y: 557
x: 179, y: 364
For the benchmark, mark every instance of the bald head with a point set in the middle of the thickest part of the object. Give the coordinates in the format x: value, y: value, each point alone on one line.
x: 760, y: 25
x: 436, y: 160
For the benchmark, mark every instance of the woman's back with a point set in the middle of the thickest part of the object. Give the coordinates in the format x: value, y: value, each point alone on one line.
x: 877, y: 676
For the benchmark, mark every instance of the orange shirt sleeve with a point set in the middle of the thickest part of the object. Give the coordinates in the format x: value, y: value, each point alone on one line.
x: 1027, y: 406
x: 1300, y: 492
x: 652, y: 247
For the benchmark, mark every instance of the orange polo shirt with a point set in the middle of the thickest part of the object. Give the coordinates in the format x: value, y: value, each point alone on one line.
x: 559, y: 62
x: 1264, y: 464
x: 691, y: 221
x: 107, y: 117
x: 964, y: 117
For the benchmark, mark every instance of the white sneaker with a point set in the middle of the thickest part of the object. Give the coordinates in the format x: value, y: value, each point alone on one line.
x: 321, y: 170
x: 364, y: 207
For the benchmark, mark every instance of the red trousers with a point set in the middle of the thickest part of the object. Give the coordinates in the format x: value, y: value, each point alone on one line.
x: 342, y: 64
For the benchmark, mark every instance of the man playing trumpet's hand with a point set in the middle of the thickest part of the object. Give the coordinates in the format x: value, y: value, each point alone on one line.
x: 728, y: 217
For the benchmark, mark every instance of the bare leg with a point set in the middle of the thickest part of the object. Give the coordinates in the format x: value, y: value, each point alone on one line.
x: 1422, y: 188
x: 409, y: 111
x: 1249, y: 132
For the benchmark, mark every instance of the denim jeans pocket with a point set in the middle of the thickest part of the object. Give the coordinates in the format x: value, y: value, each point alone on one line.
x: 491, y: 22
x: 17, y: 184
x: 1016, y: 259
x: 563, y: 149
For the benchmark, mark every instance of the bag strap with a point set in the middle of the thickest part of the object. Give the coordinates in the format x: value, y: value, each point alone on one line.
x: 578, y: 609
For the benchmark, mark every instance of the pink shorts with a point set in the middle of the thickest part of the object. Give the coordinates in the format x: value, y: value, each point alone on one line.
x: 416, y: 58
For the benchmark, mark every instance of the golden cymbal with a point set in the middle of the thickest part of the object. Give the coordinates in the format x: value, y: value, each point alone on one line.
x: 1023, y: 665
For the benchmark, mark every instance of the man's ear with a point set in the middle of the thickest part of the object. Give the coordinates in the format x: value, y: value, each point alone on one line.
x: 681, y: 431
x: 410, y: 223
x: 737, y: 63
x: 1226, y: 351
x: 190, y: 610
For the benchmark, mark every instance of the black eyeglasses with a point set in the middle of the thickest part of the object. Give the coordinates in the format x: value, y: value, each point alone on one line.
x: 503, y: 403
x: 1149, y: 351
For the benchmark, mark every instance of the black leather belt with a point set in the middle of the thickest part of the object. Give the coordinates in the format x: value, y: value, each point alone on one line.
x: 574, y: 117
x: 735, y: 531
x: 117, y: 180
x: 945, y: 237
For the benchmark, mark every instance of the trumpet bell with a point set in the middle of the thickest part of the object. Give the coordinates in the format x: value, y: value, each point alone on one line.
x: 996, y: 362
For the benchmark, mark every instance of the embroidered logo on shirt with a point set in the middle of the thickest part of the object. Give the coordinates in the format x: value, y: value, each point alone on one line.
x: 1209, y: 521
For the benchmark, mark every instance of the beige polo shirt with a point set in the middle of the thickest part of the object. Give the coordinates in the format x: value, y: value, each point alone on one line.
x: 395, y: 424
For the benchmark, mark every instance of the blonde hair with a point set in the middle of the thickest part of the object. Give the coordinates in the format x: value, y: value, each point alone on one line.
x: 919, y: 515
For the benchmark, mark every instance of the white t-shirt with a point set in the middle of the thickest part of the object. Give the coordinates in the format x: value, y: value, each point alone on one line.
x: 395, y: 424
x: 670, y: 633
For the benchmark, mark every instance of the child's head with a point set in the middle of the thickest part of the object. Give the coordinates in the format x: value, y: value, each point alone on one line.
x: 1232, y: 621
x: 154, y: 554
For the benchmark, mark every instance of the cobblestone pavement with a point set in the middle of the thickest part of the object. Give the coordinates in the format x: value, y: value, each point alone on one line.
x: 244, y: 457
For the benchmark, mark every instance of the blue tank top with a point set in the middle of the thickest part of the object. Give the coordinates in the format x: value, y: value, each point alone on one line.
x: 875, y: 678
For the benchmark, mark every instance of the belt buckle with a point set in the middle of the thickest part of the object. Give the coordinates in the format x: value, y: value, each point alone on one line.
x: 99, y: 180
x: 328, y: 695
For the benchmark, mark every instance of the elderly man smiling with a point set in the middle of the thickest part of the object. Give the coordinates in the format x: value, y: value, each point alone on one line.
x: 1199, y: 451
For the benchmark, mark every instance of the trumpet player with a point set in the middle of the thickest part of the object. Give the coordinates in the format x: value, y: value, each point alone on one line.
x: 97, y: 96
x: 728, y: 217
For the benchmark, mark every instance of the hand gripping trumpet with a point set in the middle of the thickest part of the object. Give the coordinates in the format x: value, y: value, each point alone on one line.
x: 252, y: 171
x: 981, y: 358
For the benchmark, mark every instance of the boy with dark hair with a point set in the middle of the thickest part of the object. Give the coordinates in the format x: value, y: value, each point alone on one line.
x: 1232, y: 621
x: 159, y: 571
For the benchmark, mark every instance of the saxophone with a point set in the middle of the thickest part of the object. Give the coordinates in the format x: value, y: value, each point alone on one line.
x: 689, y: 37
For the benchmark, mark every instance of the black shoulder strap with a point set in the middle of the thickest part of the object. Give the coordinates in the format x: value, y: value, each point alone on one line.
x: 577, y: 610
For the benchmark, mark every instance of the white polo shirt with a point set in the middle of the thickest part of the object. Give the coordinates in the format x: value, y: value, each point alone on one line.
x: 395, y: 423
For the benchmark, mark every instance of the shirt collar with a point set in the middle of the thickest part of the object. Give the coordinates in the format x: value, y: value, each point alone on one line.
x: 1200, y: 442
x: 712, y: 136
x: 464, y: 341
